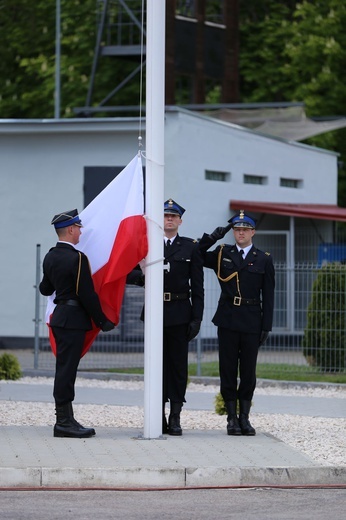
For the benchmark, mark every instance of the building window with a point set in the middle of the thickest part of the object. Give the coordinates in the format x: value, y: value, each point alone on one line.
x: 211, y: 175
x: 255, y: 179
x: 185, y: 8
x: 290, y: 183
x: 96, y: 178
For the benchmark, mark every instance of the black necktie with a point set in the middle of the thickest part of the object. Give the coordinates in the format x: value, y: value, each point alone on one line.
x: 241, y: 252
x: 168, y: 243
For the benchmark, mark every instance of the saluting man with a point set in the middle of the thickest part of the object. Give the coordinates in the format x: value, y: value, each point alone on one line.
x: 67, y: 272
x: 244, y: 314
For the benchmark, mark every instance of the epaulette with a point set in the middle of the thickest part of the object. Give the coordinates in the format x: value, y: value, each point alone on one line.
x: 189, y: 239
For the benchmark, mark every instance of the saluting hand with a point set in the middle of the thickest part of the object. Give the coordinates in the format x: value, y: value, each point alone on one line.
x: 220, y: 232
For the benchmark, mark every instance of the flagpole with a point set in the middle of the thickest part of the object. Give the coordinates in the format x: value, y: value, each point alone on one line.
x: 155, y: 111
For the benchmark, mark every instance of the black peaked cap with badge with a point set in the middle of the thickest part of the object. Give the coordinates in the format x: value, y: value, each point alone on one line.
x: 173, y: 208
x: 66, y: 218
x: 242, y: 220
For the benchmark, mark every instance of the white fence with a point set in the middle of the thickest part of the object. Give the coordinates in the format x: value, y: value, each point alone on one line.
x: 124, y: 348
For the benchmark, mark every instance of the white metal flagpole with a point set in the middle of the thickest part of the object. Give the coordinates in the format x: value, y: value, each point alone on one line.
x: 153, y: 305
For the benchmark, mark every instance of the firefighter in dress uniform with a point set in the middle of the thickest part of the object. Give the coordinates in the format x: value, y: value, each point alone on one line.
x: 244, y: 314
x: 183, y: 305
x: 67, y: 272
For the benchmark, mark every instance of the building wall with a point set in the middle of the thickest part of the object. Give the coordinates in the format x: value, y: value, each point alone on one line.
x: 41, y: 169
x: 195, y: 144
x: 42, y: 166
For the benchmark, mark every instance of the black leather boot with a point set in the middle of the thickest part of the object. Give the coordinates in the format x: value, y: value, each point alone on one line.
x: 67, y: 426
x: 244, y: 423
x: 233, y: 427
x: 76, y: 423
x: 174, y: 427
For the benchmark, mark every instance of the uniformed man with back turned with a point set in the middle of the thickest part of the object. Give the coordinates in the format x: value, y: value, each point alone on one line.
x: 244, y: 314
x: 67, y: 272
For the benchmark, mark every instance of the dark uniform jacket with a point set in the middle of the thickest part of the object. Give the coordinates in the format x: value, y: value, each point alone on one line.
x: 254, y: 290
x: 67, y: 271
x: 184, y: 278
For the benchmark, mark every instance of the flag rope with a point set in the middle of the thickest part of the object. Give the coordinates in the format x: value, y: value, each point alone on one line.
x: 141, y: 84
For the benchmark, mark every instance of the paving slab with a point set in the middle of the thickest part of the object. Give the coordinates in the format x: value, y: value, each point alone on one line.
x: 31, y: 457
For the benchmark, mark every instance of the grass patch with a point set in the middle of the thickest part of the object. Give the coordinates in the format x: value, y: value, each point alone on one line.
x: 278, y: 372
x: 132, y: 370
x: 285, y: 372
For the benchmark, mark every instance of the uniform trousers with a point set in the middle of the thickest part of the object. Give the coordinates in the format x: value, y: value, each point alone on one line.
x: 175, y: 360
x: 69, y: 345
x: 237, y: 352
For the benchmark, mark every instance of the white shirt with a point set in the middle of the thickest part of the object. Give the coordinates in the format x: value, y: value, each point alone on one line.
x: 245, y: 249
x: 171, y: 239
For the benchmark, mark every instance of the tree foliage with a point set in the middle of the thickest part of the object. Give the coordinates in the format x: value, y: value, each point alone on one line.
x: 296, y: 51
x: 27, y: 47
x: 265, y: 28
x: 289, y: 51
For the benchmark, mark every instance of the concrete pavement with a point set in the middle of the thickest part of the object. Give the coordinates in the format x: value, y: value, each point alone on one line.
x: 31, y: 457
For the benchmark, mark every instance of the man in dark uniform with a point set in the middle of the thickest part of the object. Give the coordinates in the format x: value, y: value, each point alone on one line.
x: 244, y: 314
x: 67, y: 272
x: 182, y: 310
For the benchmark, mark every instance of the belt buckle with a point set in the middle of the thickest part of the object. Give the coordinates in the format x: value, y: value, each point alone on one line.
x: 237, y: 301
x: 167, y: 297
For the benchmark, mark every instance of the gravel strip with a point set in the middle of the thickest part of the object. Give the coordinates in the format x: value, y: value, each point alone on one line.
x: 328, y: 391
x: 322, y: 439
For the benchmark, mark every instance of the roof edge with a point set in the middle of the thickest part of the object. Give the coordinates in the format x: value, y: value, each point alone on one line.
x: 316, y: 211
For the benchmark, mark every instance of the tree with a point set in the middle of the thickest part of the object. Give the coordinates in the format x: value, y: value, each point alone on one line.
x: 289, y: 51
x: 317, y: 57
x: 27, y: 47
x: 265, y: 28
x: 296, y: 51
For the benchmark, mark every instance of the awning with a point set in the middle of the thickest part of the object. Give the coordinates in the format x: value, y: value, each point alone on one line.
x: 290, y: 123
x: 316, y: 211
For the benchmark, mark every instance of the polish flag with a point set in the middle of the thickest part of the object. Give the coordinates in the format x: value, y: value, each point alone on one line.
x: 114, y: 238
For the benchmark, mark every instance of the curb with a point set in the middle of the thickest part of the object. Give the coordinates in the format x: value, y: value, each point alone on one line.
x: 171, y: 477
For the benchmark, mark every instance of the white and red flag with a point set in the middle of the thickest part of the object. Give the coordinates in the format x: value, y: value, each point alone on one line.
x: 114, y: 238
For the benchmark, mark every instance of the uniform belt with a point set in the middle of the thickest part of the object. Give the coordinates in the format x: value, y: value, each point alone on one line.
x: 171, y: 296
x: 74, y: 303
x: 237, y: 300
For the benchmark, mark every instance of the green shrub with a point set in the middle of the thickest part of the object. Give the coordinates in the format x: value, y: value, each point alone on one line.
x: 9, y: 367
x: 220, y: 407
x: 324, y: 341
